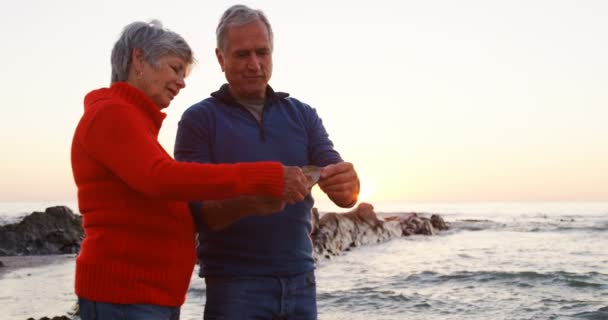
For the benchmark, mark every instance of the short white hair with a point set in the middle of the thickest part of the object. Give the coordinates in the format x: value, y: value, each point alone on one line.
x: 239, y: 15
x: 155, y: 42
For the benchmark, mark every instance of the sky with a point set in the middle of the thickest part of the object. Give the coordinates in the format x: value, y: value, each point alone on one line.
x: 435, y: 100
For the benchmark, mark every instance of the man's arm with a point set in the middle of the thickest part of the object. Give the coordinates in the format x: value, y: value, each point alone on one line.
x: 220, y: 214
x: 341, y: 183
x: 338, y: 179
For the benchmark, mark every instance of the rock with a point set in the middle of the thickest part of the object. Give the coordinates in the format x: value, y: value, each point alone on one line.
x: 335, y: 233
x: 438, y: 222
x: 75, y: 311
x: 56, y: 231
x: 70, y: 315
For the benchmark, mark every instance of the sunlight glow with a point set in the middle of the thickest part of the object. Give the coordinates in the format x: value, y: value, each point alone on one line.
x: 368, y: 188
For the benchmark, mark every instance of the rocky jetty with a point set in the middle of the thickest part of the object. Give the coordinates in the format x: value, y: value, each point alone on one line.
x: 334, y: 233
x: 57, y: 230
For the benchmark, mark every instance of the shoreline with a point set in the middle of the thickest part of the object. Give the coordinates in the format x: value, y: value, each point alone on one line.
x: 14, y: 263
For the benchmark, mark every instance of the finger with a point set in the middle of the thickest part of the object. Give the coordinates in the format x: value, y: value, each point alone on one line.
x: 347, y: 177
x: 289, y: 200
x: 294, y: 197
x: 342, y: 171
x: 336, y: 168
x: 301, y: 194
x: 342, y: 187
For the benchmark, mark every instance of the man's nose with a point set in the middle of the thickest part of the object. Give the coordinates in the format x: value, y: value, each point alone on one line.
x: 254, y: 63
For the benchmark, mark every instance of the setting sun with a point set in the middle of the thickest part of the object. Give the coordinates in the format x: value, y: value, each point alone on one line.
x: 368, y: 189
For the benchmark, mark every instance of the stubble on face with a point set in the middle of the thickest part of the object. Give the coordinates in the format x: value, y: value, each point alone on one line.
x: 247, y: 61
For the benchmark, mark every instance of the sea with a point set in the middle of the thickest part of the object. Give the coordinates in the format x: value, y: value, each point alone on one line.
x: 511, y: 261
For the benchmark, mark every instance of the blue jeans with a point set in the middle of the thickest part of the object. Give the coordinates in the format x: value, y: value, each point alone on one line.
x: 93, y: 310
x: 269, y: 298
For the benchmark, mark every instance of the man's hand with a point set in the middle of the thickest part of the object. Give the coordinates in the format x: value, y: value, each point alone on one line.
x: 262, y: 206
x: 296, y: 185
x: 341, y: 183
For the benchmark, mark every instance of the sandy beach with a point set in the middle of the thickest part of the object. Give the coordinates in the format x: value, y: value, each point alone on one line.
x: 37, y: 286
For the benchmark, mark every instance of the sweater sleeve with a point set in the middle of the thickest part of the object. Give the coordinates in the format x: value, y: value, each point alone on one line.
x: 118, y: 138
x: 321, y: 149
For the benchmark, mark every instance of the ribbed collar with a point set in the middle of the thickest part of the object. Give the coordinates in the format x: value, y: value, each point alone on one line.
x: 223, y: 94
x: 129, y: 94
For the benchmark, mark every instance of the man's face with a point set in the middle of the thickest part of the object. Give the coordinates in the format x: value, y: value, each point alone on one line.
x: 246, y: 60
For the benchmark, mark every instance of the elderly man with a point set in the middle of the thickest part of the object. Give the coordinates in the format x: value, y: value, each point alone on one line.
x: 258, y: 266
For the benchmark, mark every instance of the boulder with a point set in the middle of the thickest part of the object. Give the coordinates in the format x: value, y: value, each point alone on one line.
x: 438, y: 223
x: 335, y: 233
x: 57, y: 230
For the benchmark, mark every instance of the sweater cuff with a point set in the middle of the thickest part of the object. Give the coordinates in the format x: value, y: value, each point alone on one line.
x: 263, y: 178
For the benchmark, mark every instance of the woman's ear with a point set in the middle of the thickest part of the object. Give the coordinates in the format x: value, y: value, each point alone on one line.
x: 137, y: 60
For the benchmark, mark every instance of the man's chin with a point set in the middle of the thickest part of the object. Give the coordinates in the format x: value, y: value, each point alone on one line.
x: 256, y: 93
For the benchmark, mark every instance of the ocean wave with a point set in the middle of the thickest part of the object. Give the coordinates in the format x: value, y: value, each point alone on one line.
x: 5, y: 220
x: 367, y: 299
x: 519, y: 278
x: 456, y: 295
x: 559, y: 224
x: 600, y: 314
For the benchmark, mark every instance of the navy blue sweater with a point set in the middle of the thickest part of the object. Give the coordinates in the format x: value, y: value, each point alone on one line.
x: 220, y: 130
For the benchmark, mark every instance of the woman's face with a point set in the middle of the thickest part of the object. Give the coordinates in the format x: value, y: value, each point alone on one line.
x: 162, y: 82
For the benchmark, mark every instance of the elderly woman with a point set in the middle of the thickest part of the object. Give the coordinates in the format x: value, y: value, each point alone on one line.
x: 138, y: 254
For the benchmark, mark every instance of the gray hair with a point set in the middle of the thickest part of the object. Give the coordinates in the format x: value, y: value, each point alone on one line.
x: 239, y: 15
x: 155, y: 42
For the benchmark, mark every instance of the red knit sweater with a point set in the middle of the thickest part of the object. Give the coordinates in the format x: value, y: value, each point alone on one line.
x: 139, y: 244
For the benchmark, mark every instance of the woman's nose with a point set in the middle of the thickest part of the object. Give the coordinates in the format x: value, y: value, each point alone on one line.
x: 181, y: 83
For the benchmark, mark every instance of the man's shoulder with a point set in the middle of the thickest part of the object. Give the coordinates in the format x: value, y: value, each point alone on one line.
x: 298, y: 106
x: 202, y: 107
x: 295, y: 103
x: 209, y: 102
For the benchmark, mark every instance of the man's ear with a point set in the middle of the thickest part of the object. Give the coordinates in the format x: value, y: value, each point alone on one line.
x: 220, y: 58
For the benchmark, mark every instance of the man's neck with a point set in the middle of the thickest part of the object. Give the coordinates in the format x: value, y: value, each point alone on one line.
x: 250, y: 100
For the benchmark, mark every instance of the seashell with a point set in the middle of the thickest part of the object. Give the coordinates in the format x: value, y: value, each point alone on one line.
x: 312, y: 173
